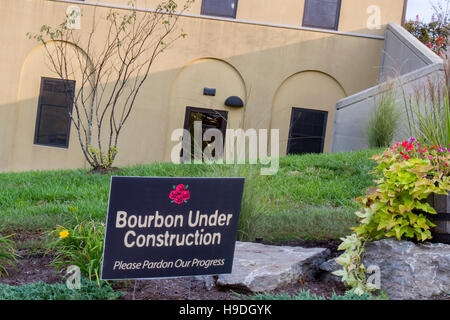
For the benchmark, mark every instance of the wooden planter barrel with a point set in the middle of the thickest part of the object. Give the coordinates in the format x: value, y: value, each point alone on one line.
x: 440, y: 233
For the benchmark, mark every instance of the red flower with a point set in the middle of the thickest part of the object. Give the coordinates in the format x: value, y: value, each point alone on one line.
x: 405, y: 144
x: 186, y: 195
x: 180, y: 194
x: 179, y: 199
x: 406, y: 157
x: 445, y: 164
x: 424, y: 150
x: 410, y: 147
x: 180, y: 187
x: 173, y: 195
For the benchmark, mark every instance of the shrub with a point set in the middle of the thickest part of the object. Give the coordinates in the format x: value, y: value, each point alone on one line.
x: 81, y: 246
x: 42, y: 291
x: 7, y: 254
x: 383, y: 121
x: 408, y: 173
x: 433, y: 34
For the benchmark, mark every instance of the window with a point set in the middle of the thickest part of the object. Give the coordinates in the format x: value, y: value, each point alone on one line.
x: 210, y: 119
x: 53, y: 120
x: 307, y: 131
x: 322, y: 14
x: 221, y: 8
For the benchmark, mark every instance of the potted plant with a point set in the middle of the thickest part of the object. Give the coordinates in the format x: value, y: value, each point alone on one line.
x: 413, y: 182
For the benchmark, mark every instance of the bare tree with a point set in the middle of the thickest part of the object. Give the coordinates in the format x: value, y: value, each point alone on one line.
x: 111, y: 60
x: 441, y: 11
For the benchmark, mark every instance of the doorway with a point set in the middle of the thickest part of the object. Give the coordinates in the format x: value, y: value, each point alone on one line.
x: 307, y: 131
x: 210, y: 119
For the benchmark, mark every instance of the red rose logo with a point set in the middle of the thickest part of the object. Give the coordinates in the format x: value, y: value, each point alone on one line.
x: 180, y: 194
x: 186, y: 195
x: 180, y: 187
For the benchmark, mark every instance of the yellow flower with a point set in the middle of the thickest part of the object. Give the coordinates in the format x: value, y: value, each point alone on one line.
x: 63, y: 234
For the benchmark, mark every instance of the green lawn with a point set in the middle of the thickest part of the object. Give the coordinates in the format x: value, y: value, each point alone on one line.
x: 311, y: 197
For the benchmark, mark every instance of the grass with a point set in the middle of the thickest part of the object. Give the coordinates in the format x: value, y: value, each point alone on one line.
x: 383, y: 121
x: 311, y: 197
x: 305, y: 295
x: 42, y: 291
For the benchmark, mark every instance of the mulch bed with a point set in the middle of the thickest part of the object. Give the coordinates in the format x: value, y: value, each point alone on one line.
x: 34, y: 267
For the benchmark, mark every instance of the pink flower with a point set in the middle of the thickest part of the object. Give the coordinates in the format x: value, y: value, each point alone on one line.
x: 186, y: 195
x: 173, y: 195
x: 179, y: 199
x: 180, y: 194
x: 180, y: 187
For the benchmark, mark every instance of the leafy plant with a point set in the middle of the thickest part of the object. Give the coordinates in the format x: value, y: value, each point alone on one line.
x: 81, y: 246
x: 42, y: 291
x: 383, y: 121
x: 353, y: 272
x: 8, y: 257
x: 105, y: 160
x: 408, y: 174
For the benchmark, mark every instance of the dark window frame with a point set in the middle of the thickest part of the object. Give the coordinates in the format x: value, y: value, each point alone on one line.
x: 39, y: 111
x: 233, y: 16
x: 187, y: 118
x: 338, y: 15
x: 324, y: 131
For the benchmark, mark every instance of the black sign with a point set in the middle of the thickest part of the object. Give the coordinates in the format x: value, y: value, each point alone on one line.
x: 171, y: 227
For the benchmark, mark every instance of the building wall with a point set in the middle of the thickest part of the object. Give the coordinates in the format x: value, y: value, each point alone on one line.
x: 407, y: 67
x: 273, y: 68
x: 403, y: 54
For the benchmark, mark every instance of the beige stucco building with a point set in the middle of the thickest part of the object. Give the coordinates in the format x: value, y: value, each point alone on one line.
x: 289, y: 61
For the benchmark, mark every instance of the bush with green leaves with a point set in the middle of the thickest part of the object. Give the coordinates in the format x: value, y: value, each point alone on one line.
x: 42, y: 291
x: 8, y: 256
x: 408, y: 174
x: 433, y: 34
x: 81, y: 246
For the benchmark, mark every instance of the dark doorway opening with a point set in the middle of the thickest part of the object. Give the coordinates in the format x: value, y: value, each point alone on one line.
x: 307, y: 131
x: 210, y: 119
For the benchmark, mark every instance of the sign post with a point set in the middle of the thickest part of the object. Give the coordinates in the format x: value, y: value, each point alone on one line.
x: 171, y: 227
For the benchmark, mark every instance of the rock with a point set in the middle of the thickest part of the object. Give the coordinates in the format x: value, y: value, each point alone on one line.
x: 261, y: 268
x: 208, y: 281
x: 327, y: 268
x: 409, y: 270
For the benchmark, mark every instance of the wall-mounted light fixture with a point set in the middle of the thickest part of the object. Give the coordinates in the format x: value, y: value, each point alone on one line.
x: 234, y: 102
